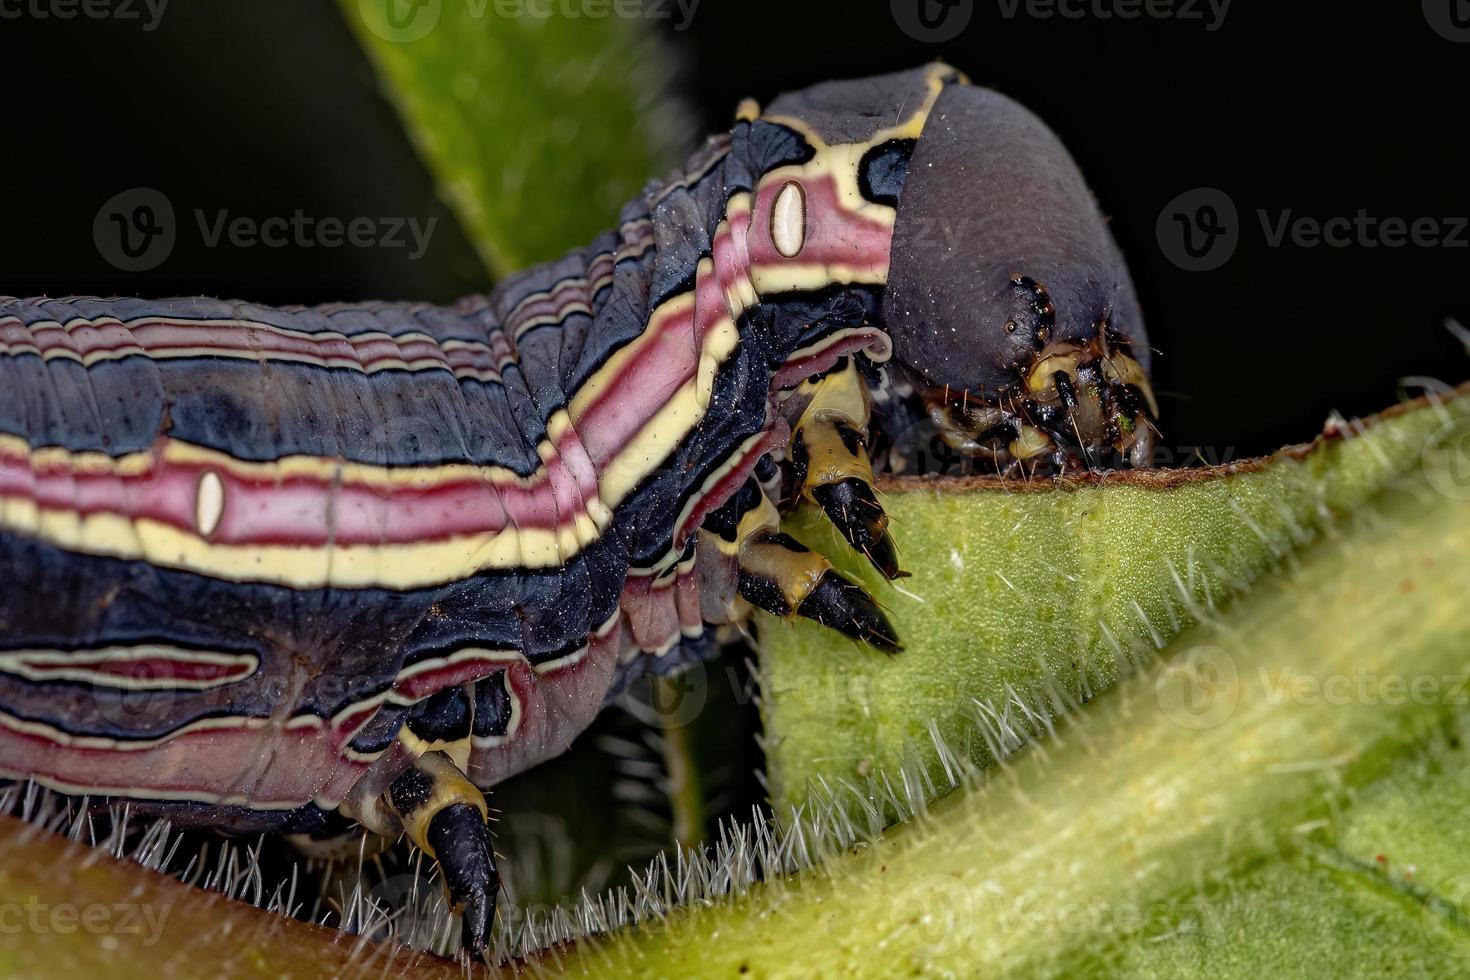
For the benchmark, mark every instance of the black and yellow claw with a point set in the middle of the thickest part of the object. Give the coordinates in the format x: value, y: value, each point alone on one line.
x: 845, y: 606
x: 854, y: 510
x: 786, y: 579
x: 445, y: 816
x: 461, y: 841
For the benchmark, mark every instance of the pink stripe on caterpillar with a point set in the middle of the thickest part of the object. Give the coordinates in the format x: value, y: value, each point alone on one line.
x: 309, y: 511
x: 555, y: 703
x: 627, y: 400
x: 428, y: 677
x: 670, y: 361
x: 567, y: 297
x: 661, y: 612
x: 822, y: 355
x: 471, y: 360
x: 110, y: 339
x: 240, y: 761
x: 143, y: 667
x: 733, y: 476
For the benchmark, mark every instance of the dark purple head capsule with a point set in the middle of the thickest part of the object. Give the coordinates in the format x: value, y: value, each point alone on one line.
x: 1008, y: 301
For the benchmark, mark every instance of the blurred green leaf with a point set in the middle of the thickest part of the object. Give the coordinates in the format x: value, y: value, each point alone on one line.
x: 537, y: 126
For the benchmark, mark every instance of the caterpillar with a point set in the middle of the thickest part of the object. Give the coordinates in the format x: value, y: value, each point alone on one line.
x: 339, y: 570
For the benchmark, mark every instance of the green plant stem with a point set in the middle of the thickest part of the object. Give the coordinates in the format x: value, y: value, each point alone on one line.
x: 686, y: 796
x: 1141, y: 798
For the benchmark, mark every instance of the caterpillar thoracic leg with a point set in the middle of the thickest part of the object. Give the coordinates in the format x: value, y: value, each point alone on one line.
x: 445, y: 816
x: 830, y: 458
x: 779, y: 575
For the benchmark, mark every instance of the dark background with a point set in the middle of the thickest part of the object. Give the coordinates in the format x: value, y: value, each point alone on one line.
x: 268, y: 106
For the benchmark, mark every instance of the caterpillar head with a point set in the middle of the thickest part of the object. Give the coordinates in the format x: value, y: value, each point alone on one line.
x: 1008, y: 302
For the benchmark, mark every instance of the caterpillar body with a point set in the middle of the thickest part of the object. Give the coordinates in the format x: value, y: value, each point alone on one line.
x: 281, y: 569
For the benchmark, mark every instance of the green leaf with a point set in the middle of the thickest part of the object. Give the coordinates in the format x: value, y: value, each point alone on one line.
x: 537, y: 128
x: 1222, y: 778
x: 1379, y: 888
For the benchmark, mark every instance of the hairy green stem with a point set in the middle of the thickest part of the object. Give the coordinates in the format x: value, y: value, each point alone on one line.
x: 1249, y: 732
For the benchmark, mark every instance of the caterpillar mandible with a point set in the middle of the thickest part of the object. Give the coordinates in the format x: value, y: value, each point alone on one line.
x: 231, y: 599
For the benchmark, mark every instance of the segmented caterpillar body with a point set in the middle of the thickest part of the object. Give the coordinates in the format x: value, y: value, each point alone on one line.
x: 268, y: 566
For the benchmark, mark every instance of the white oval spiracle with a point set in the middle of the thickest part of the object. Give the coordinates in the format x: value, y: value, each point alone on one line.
x: 788, y: 220
x: 209, y: 503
